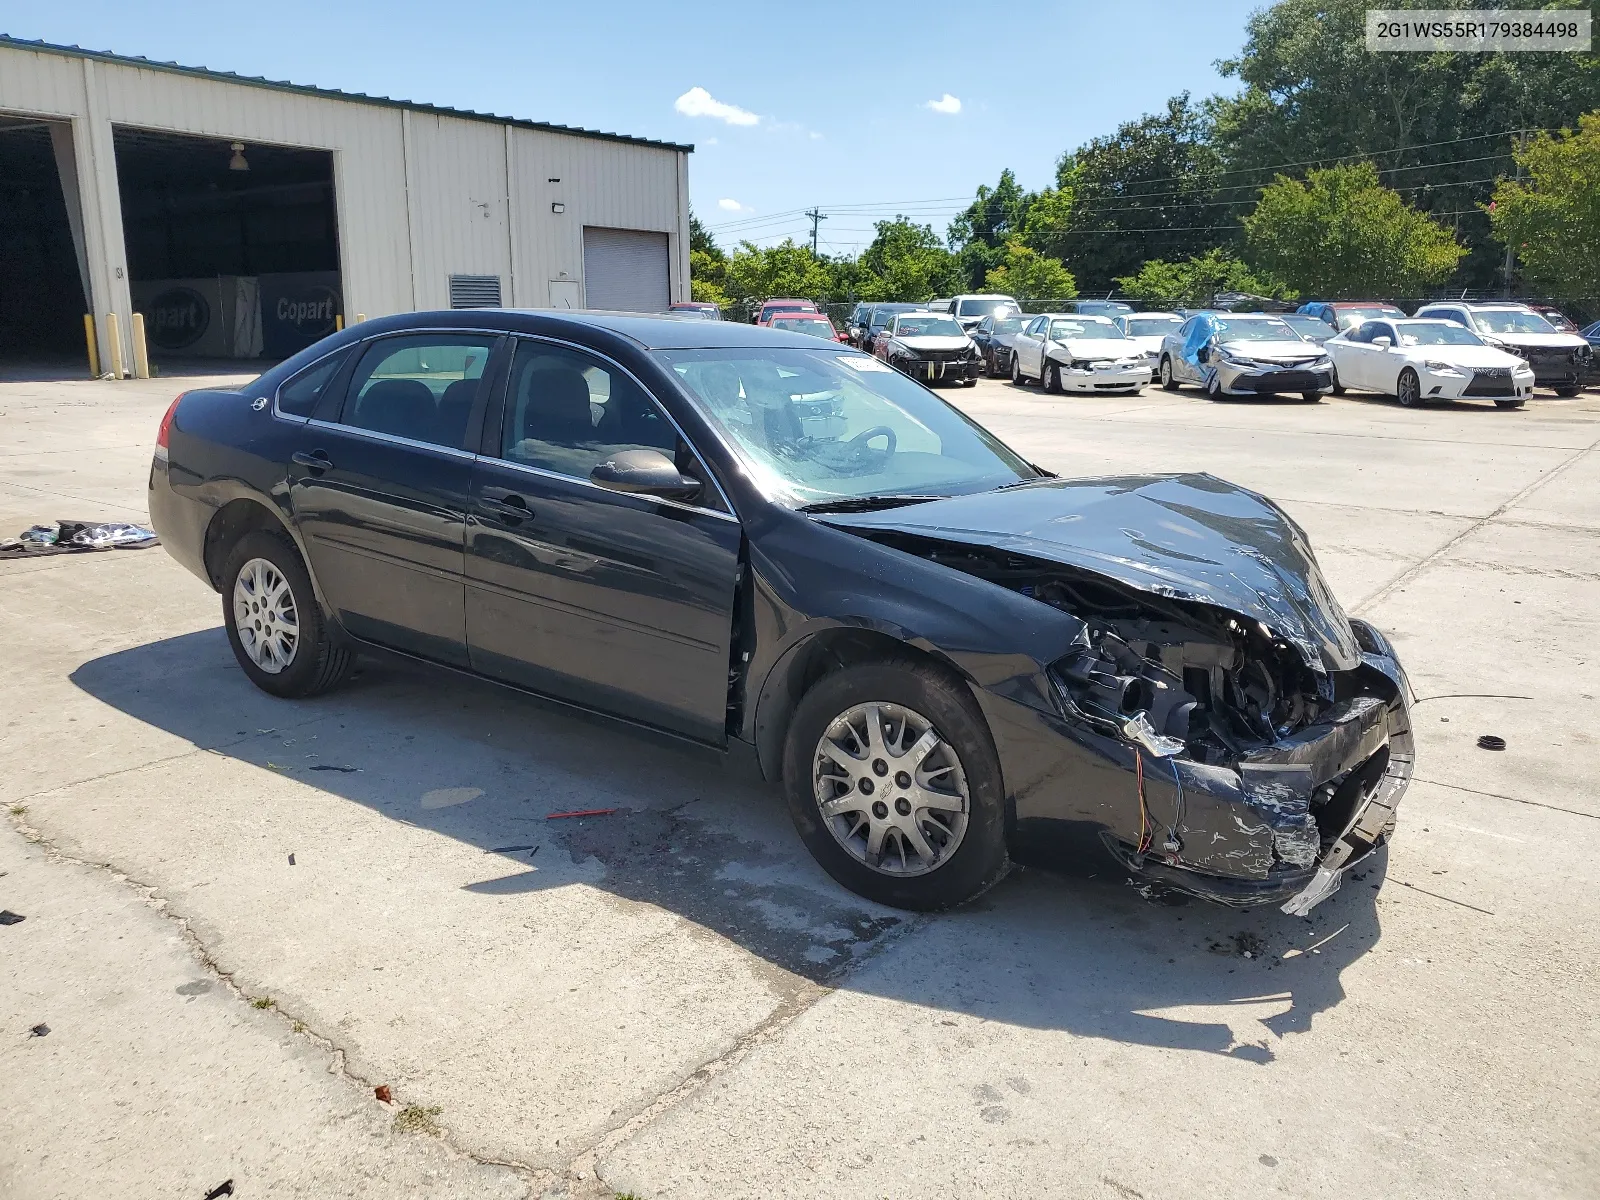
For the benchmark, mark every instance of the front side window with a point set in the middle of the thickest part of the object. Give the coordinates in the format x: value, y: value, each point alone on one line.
x: 1036, y: 327
x: 299, y: 396
x: 420, y: 386
x: 567, y: 412
x: 814, y: 426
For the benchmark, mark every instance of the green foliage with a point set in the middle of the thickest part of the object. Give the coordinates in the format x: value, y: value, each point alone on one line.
x: 1313, y: 93
x: 1147, y: 190
x: 1342, y: 233
x: 707, y: 276
x: 1552, y: 219
x: 1029, y: 275
x: 1194, y: 283
x: 760, y: 273
x: 907, y: 261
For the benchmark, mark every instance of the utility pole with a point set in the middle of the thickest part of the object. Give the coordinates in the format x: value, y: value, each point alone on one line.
x: 815, y: 217
x: 1511, y: 247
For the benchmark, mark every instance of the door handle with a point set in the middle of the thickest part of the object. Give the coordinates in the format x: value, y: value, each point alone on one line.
x: 504, y: 506
x: 315, y: 459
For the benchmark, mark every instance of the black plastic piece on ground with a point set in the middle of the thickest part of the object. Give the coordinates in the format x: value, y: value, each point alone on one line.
x: 1491, y: 741
x: 7, y: 917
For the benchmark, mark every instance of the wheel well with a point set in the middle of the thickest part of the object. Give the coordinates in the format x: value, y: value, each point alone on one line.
x: 231, y: 522
x: 805, y: 666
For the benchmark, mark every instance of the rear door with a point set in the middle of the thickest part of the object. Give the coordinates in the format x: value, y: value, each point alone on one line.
x: 620, y: 603
x: 379, y: 489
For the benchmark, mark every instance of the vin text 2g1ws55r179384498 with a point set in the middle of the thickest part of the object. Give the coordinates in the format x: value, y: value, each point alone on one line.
x: 949, y: 658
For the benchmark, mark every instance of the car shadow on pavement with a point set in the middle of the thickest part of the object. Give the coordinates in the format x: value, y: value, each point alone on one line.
x: 708, y: 841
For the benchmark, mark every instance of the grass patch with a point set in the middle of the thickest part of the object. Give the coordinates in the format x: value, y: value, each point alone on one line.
x: 413, y: 1118
x: 18, y: 810
x: 261, y: 1002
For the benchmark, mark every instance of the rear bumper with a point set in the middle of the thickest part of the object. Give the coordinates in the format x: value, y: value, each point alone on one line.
x: 179, y: 520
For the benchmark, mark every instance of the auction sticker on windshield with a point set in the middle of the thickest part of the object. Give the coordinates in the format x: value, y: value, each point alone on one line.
x: 860, y: 362
x: 1477, y: 30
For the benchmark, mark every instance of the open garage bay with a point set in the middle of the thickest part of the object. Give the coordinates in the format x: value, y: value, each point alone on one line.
x: 242, y: 915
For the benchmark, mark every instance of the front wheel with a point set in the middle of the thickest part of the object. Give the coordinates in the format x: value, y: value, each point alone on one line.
x: 1568, y: 390
x: 274, y: 622
x: 894, y: 785
x: 1311, y: 397
x: 1517, y: 403
x: 1168, y: 383
x: 1408, y: 389
x: 1338, y: 388
x: 1050, y: 381
x: 1214, y: 388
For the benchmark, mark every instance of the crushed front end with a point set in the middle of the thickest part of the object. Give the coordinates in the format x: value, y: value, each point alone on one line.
x: 1256, y: 778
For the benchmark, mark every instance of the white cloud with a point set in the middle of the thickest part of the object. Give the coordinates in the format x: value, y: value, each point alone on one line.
x: 945, y: 104
x: 710, y: 142
x: 727, y: 205
x: 815, y: 136
x: 697, y: 102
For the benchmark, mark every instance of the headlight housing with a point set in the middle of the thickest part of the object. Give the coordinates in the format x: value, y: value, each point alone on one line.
x: 1434, y: 364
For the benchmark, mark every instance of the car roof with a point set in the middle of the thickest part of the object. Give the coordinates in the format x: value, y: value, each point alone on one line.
x: 1152, y: 313
x: 787, y: 300
x: 1360, y: 304
x: 658, y: 331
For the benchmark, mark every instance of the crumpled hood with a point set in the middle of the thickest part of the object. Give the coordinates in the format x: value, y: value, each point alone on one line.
x: 1189, y: 537
x: 1092, y: 348
x: 1541, y: 341
x: 1274, y: 352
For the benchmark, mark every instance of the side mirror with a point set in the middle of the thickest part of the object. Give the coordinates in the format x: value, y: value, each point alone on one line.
x: 1383, y: 343
x: 644, y: 473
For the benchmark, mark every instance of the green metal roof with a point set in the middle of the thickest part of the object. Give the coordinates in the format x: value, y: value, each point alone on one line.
x: 302, y: 89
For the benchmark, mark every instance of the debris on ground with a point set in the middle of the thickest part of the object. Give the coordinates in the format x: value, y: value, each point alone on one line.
x: 413, y: 1118
x: 383, y: 1093
x: 1249, y: 944
x: 1490, y: 741
x: 73, y: 537
x: 510, y: 849
x: 291, y: 860
x: 225, y: 1188
x: 581, y: 812
x: 331, y: 767
x: 39, y: 1030
x: 7, y: 917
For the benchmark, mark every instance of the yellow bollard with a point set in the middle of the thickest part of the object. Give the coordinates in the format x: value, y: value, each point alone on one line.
x: 114, y: 337
x: 94, y: 347
x: 338, y: 322
x: 141, y: 355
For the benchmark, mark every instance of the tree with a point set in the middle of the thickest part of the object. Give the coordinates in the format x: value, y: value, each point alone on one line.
x: 707, y: 276
x: 1146, y: 191
x: 1552, y: 220
x: 1194, y: 282
x: 907, y: 261
x: 1313, y: 94
x: 700, y: 239
x: 1342, y: 233
x: 1029, y: 275
x: 756, y: 273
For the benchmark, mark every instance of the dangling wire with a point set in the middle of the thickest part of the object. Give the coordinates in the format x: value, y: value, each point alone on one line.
x: 1144, y: 812
x: 1177, y: 809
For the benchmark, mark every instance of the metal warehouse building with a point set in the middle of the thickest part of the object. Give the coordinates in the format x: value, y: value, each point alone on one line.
x: 243, y: 218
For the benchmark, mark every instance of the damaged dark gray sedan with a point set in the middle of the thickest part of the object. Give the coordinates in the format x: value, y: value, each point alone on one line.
x: 948, y: 657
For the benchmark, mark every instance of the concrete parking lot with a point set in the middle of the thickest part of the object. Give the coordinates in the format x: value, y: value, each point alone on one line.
x: 242, y: 915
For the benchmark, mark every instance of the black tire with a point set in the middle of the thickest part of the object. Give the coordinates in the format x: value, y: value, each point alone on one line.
x: 1568, y: 390
x: 988, y: 365
x: 971, y: 381
x: 979, y: 861
x: 1214, y: 388
x: 1311, y: 397
x: 1338, y: 388
x: 321, y: 659
x: 1050, y: 380
x: 1169, y: 382
x: 1517, y: 403
x: 1408, y: 389
x: 1018, y: 379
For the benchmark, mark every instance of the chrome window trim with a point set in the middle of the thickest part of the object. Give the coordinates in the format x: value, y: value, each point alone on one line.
x: 732, y: 513
x: 392, y: 438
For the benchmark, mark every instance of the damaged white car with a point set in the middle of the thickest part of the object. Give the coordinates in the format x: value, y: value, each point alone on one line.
x: 1077, y: 352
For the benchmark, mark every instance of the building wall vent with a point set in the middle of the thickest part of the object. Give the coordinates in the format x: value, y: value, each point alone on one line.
x: 474, y: 291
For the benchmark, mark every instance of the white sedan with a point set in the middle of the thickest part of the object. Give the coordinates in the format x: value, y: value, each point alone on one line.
x: 1146, y: 329
x: 1421, y: 360
x: 1077, y: 352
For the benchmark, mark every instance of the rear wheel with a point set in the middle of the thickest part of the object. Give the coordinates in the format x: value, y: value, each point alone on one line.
x: 274, y: 622
x: 1017, y: 377
x: 1408, y: 389
x: 1168, y: 383
x: 894, y: 785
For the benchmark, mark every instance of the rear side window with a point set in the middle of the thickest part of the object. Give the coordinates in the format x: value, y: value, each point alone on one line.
x: 420, y: 386
x: 299, y: 396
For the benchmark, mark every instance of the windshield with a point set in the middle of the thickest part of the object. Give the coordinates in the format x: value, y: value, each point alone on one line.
x: 1111, y: 307
x: 815, y: 425
x: 1009, y: 324
x: 1083, y: 327
x: 1308, y: 326
x: 1511, y: 320
x: 1427, y: 333
x: 1349, y: 318
x: 983, y: 308
x: 882, y: 316
x: 1153, y: 326
x: 791, y: 307
x: 930, y: 326
x: 1257, y: 330
x: 820, y: 326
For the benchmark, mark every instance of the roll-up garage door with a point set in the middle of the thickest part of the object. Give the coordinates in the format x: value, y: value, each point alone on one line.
x: 625, y: 269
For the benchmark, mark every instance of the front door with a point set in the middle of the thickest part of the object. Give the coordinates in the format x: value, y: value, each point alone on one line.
x: 380, y: 492
x: 619, y: 603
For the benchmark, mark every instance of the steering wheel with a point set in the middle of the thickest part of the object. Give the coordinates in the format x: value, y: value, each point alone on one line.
x: 854, y: 457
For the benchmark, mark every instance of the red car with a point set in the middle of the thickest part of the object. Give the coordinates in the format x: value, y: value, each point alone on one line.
x: 803, y: 322
x: 771, y: 307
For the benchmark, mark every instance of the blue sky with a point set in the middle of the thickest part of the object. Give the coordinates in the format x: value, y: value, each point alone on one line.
x: 866, y: 110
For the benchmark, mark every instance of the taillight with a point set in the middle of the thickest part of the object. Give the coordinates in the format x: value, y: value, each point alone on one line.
x: 164, y: 430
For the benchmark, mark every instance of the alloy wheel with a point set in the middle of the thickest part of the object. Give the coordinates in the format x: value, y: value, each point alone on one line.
x: 265, y: 615
x: 1408, y: 390
x: 891, y: 790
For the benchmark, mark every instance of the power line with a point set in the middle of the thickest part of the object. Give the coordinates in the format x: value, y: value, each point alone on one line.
x: 815, y: 216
